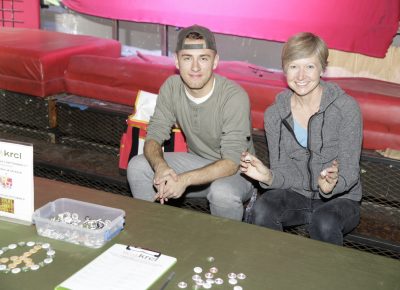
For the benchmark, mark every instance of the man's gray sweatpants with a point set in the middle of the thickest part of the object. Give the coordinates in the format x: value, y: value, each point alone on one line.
x: 226, y: 195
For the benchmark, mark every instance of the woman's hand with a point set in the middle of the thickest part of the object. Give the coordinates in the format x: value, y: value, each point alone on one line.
x: 328, y: 177
x: 254, y: 168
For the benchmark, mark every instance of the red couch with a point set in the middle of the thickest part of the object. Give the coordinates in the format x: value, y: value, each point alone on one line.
x: 41, y: 63
x: 118, y: 80
x: 33, y: 61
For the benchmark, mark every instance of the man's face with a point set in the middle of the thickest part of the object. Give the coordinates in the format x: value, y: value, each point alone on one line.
x: 196, y: 67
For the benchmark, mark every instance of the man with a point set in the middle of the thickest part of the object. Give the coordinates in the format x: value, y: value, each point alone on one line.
x: 214, y: 115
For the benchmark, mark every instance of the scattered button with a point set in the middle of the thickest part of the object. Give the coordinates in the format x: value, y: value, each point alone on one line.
x: 232, y: 281
x: 213, y: 270
x: 46, y: 246
x: 210, y: 259
x: 51, y: 253
x: 48, y: 260
x: 199, y: 282
x: 231, y: 275
x: 13, y: 258
x: 182, y: 285
x: 211, y: 281
x: 16, y: 270
x: 197, y: 270
x: 196, y: 277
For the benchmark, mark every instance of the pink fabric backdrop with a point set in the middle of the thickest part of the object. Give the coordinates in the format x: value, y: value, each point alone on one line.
x: 24, y: 13
x: 363, y: 26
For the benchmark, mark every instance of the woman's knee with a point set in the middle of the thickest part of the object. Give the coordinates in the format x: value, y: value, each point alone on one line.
x: 334, y: 219
x: 266, y: 213
x: 261, y: 212
x: 326, y: 227
x: 325, y: 223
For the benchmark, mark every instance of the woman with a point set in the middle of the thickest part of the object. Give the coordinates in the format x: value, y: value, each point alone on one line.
x: 314, y: 134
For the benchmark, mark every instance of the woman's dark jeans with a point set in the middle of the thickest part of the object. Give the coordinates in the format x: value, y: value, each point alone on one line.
x: 327, y: 220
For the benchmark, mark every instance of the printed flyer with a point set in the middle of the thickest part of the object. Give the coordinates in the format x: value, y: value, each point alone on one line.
x: 16, y: 181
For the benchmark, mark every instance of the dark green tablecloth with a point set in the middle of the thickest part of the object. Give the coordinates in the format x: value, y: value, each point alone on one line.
x: 270, y: 259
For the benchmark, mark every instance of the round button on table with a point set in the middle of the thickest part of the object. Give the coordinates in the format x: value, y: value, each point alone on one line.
x: 197, y: 270
x: 196, y: 277
x: 232, y: 281
x: 182, y: 285
x: 231, y: 275
x: 16, y: 270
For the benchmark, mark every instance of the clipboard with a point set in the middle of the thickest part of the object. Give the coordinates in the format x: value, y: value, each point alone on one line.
x: 120, y: 267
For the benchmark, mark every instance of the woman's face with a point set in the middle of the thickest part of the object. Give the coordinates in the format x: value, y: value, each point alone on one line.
x: 303, y: 75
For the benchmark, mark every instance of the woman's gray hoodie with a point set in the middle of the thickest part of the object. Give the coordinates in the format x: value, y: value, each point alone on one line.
x: 334, y: 132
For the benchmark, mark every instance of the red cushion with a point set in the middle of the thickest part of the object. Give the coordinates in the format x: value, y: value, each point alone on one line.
x: 33, y: 61
x: 118, y: 80
x: 114, y: 79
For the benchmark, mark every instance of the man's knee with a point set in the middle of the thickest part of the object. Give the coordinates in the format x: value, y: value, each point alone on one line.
x: 140, y: 178
x: 137, y: 166
x: 225, y: 192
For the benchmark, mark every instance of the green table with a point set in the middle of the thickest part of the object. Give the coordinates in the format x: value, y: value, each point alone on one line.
x: 270, y: 259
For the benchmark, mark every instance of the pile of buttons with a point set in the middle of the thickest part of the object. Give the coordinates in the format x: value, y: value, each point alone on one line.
x: 212, y: 276
x: 25, y: 262
x: 74, y: 219
x: 78, y: 235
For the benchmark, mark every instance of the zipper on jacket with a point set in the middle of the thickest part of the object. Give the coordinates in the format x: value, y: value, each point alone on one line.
x: 310, y: 155
x: 308, y: 151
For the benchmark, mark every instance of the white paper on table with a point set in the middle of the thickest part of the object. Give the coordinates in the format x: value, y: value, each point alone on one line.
x: 120, y: 267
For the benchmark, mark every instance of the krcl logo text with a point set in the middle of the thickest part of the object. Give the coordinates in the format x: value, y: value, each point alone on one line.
x: 9, y: 154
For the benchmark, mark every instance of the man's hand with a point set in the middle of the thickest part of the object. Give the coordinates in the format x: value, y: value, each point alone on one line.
x: 161, y: 176
x: 172, y: 188
x: 254, y: 168
x: 328, y: 178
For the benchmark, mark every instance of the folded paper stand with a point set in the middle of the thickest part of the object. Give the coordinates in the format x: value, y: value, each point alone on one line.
x: 132, y: 141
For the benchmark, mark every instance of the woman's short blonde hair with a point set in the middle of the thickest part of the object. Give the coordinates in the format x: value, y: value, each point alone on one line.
x: 304, y: 45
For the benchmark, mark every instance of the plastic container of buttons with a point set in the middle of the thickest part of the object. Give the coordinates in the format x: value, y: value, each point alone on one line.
x: 79, y: 222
